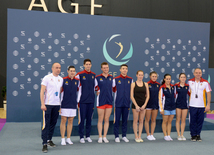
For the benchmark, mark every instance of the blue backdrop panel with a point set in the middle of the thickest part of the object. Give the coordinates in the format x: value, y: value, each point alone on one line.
x: 37, y: 39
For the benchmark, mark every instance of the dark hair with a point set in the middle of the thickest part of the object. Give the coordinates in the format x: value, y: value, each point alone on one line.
x: 124, y: 65
x: 86, y: 60
x: 104, y: 63
x: 70, y: 67
x: 153, y: 72
x: 165, y: 77
x: 182, y: 74
x: 139, y: 71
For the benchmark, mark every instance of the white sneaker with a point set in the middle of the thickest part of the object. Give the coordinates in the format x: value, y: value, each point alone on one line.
x: 89, y: 139
x: 179, y: 138
x: 105, y: 140
x: 166, y: 138
x: 68, y: 140
x: 125, y: 139
x: 63, y: 141
x: 149, y: 137
x: 82, y: 140
x: 183, y: 138
x: 170, y: 138
x: 100, y: 140
x: 153, y: 138
x: 117, y: 140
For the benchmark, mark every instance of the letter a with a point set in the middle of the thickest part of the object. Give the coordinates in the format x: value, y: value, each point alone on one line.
x: 42, y: 5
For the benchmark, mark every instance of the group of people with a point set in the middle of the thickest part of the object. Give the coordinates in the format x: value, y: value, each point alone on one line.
x: 66, y: 95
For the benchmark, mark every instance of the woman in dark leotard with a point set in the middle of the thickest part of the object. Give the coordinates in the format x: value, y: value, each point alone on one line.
x: 140, y: 97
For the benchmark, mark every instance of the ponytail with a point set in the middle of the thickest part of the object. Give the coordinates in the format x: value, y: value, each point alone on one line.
x: 163, y: 81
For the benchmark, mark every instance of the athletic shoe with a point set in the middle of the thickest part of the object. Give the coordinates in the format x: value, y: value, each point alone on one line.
x: 117, y: 140
x: 137, y: 140
x: 105, y: 140
x: 198, y: 138
x: 82, y: 140
x: 45, y: 148
x: 89, y: 139
x: 153, y: 138
x: 51, y: 144
x: 166, y: 138
x: 170, y: 138
x: 100, y: 140
x: 149, y: 137
x: 125, y: 139
x: 193, y: 138
x: 180, y: 138
x: 68, y: 140
x: 183, y: 138
x: 141, y: 140
x: 63, y: 141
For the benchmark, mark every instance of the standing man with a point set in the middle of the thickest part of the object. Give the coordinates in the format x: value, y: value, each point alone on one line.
x: 121, y: 87
x: 70, y: 90
x: 87, y: 97
x: 197, y: 104
x: 50, y: 104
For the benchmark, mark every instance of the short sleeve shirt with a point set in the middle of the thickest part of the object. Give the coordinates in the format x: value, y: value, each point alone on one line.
x: 52, y: 91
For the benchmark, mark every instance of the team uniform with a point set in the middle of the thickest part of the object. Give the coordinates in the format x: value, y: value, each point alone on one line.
x: 167, y: 100
x: 153, y: 90
x: 181, y: 96
x: 197, y: 104
x: 69, y: 102
x: 52, y: 103
x: 104, y: 86
x: 86, y: 103
x: 121, y: 87
x: 139, y: 95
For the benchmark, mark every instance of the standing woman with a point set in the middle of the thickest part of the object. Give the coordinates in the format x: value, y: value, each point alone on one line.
x: 140, y: 97
x: 103, y: 86
x: 152, y: 106
x: 167, y: 105
x: 181, y: 92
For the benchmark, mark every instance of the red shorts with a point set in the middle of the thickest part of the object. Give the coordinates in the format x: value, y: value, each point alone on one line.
x: 106, y: 106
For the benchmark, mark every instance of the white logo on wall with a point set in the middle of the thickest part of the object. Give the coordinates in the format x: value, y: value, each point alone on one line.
x: 29, y: 54
x: 193, y: 59
x: 157, y: 52
x: 162, y: 70
x: 28, y: 93
x: 56, y: 41
x: 75, y: 61
x: 36, y: 60
x: 36, y: 73
x: 36, y: 86
x: 75, y: 48
x: 204, y: 60
x: 179, y: 53
x: 173, y: 70
x: 163, y: 46
x: 56, y: 54
x: 49, y: 48
x: 29, y: 40
x: 15, y: 39
x: 158, y: 41
x: 188, y: 65
x: 49, y: 61
x: 15, y: 53
x: 194, y: 48
x: 69, y: 42
x: 15, y: 80
x: 204, y: 48
x: 189, y: 42
x: 15, y: 66
x: 163, y: 58
x: 146, y: 75
x: 76, y: 36
x: 36, y: 47
x: 157, y: 64
x: 28, y: 80
x: 15, y: 93
x: 88, y: 37
x: 88, y: 49
x: 146, y: 51
x: 146, y: 39
x: 49, y: 35
x: 69, y: 55
x: 29, y: 67
x: 36, y: 34
x: 178, y: 64
x: 179, y: 41
x: 146, y: 63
